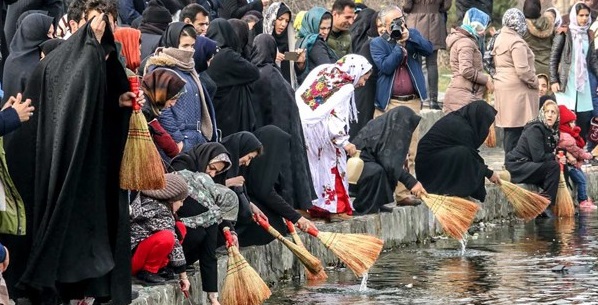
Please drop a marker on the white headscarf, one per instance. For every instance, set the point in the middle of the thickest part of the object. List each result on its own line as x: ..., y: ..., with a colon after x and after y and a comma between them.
x: 325, y: 81
x: 578, y: 33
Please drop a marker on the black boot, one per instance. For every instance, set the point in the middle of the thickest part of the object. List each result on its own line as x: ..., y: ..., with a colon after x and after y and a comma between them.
x: 434, y: 105
x: 150, y: 278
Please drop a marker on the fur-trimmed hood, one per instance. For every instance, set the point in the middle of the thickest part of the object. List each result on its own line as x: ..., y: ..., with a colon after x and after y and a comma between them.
x: 542, y: 27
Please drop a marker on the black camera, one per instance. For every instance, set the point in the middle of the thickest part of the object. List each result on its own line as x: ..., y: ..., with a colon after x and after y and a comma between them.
x: 396, y: 28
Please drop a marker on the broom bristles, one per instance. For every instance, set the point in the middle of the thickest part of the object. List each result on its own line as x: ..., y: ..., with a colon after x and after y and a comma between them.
x: 358, y: 251
x: 527, y: 205
x: 563, y: 206
x: 491, y: 139
x: 242, y: 285
x: 454, y: 214
x: 595, y: 151
x: 320, y: 276
x: 310, y: 262
x: 141, y: 167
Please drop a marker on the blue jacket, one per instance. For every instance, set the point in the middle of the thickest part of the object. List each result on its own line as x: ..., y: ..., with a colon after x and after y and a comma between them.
x: 387, y: 57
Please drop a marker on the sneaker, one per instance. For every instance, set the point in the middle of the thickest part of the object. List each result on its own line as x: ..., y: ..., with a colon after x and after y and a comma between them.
x: 587, y: 205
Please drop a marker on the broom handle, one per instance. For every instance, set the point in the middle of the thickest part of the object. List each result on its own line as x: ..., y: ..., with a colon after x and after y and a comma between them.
x: 313, y: 231
x: 134, y: 83
x: 264, y: 224
x: 290, y: 226
x: 227, y: 236
x: 561, y: 154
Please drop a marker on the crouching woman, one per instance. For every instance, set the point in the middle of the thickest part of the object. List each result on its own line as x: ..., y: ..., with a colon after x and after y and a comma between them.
x: 156, y: 235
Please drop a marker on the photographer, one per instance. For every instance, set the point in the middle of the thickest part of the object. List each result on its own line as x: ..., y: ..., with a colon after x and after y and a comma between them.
x: 401, y: 82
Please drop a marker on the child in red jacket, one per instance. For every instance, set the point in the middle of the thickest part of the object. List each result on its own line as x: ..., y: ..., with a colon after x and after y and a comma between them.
x: 574, y: 144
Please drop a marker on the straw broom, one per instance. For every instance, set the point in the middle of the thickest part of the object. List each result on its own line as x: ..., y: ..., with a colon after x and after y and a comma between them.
x: 310, y: 262
x: 595, y: 151
x: 320, y: 276
x: 454, y: 214
x: 527, y: 204
x: 141, y: 167
x: 358, y: 251
x: 242, y: 285
x: 563, y: 207
x: 491, y: 139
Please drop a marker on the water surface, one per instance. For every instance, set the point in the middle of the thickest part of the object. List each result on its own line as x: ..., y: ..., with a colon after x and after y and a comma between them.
x: 505, y: 264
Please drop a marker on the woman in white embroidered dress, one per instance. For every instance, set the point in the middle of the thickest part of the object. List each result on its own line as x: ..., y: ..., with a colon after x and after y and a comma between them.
x: 326, y: 104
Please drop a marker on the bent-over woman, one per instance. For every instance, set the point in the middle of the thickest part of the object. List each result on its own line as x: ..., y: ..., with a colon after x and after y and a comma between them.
x: 448, y: 161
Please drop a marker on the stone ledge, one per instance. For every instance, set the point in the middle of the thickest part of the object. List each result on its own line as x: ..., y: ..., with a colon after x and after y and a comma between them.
x: 276, y: 263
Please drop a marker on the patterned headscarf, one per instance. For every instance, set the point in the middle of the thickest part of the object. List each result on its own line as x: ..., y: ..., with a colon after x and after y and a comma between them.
x: 515, y: 20
x: 578, y: 34
x: 554, y: 129
x: 347, y: 70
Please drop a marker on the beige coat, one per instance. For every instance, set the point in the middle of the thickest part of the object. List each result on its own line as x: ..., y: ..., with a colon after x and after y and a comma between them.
x: 468, y: 82
x: 428, y: 17
x: 515, y: 82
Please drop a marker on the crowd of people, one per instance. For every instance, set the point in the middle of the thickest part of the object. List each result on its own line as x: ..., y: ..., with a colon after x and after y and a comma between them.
x: 254, y: 110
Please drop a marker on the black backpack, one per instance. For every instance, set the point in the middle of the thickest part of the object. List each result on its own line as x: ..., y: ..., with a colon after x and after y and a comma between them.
x: 488, y: 58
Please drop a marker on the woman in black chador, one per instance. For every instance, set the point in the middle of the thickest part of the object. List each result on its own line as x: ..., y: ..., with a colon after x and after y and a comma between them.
x: 384, y: 143
x: 278, y: 107
x: 448, y: 161
x: 234, y: 75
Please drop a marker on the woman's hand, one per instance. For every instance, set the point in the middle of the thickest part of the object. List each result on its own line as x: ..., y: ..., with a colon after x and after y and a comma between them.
x: 235, y: 238
x: 257, y: 212
x: 235, y: 181
x: 418, y: 190
x: 350, y: 149
x: 24, y: 109
x: 301, y: 58
x: 126, y: 99
x: 98, y: 26
x: 304, y: 224
x: 495, y: 178
x: 555, y: 87
x: 490, y: 85
x: 279, y: 56
x: 184, y: 280
x: 4, y: 264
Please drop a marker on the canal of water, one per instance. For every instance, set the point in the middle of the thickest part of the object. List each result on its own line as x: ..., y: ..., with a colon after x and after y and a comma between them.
x: 545, y: 261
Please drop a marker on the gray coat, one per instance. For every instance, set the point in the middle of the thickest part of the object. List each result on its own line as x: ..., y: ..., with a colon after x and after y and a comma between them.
x: 429, y: 18
x: 560, y: 58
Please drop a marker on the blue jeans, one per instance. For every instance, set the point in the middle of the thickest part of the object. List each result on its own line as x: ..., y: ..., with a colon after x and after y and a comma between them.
x: 578, y: 177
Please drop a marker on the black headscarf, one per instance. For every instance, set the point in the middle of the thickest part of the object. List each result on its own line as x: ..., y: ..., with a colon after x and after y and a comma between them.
x: 385, y: 140
x: 373, y: 30
x: 223, y: 33
x: 282, y: 40
x: 480, y: 115
x: 172, y: 35
x: 241, y: 28
x: 198, y: 158
x: 361, y: 26
x: 264, y: 50
x: 205, y: 49
x: 24, y: 52
x: 263, y: 172
x: 238, y: 145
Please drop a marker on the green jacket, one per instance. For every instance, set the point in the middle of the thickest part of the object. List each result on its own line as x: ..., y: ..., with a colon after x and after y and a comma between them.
x: 12, y: 210
x: 340, y: 43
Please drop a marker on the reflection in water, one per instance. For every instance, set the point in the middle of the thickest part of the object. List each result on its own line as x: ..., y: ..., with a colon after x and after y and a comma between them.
x: 507, y: 265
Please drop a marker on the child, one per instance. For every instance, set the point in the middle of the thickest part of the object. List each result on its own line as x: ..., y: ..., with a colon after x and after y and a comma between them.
x: 156, y: 235
x: 573, y: 143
